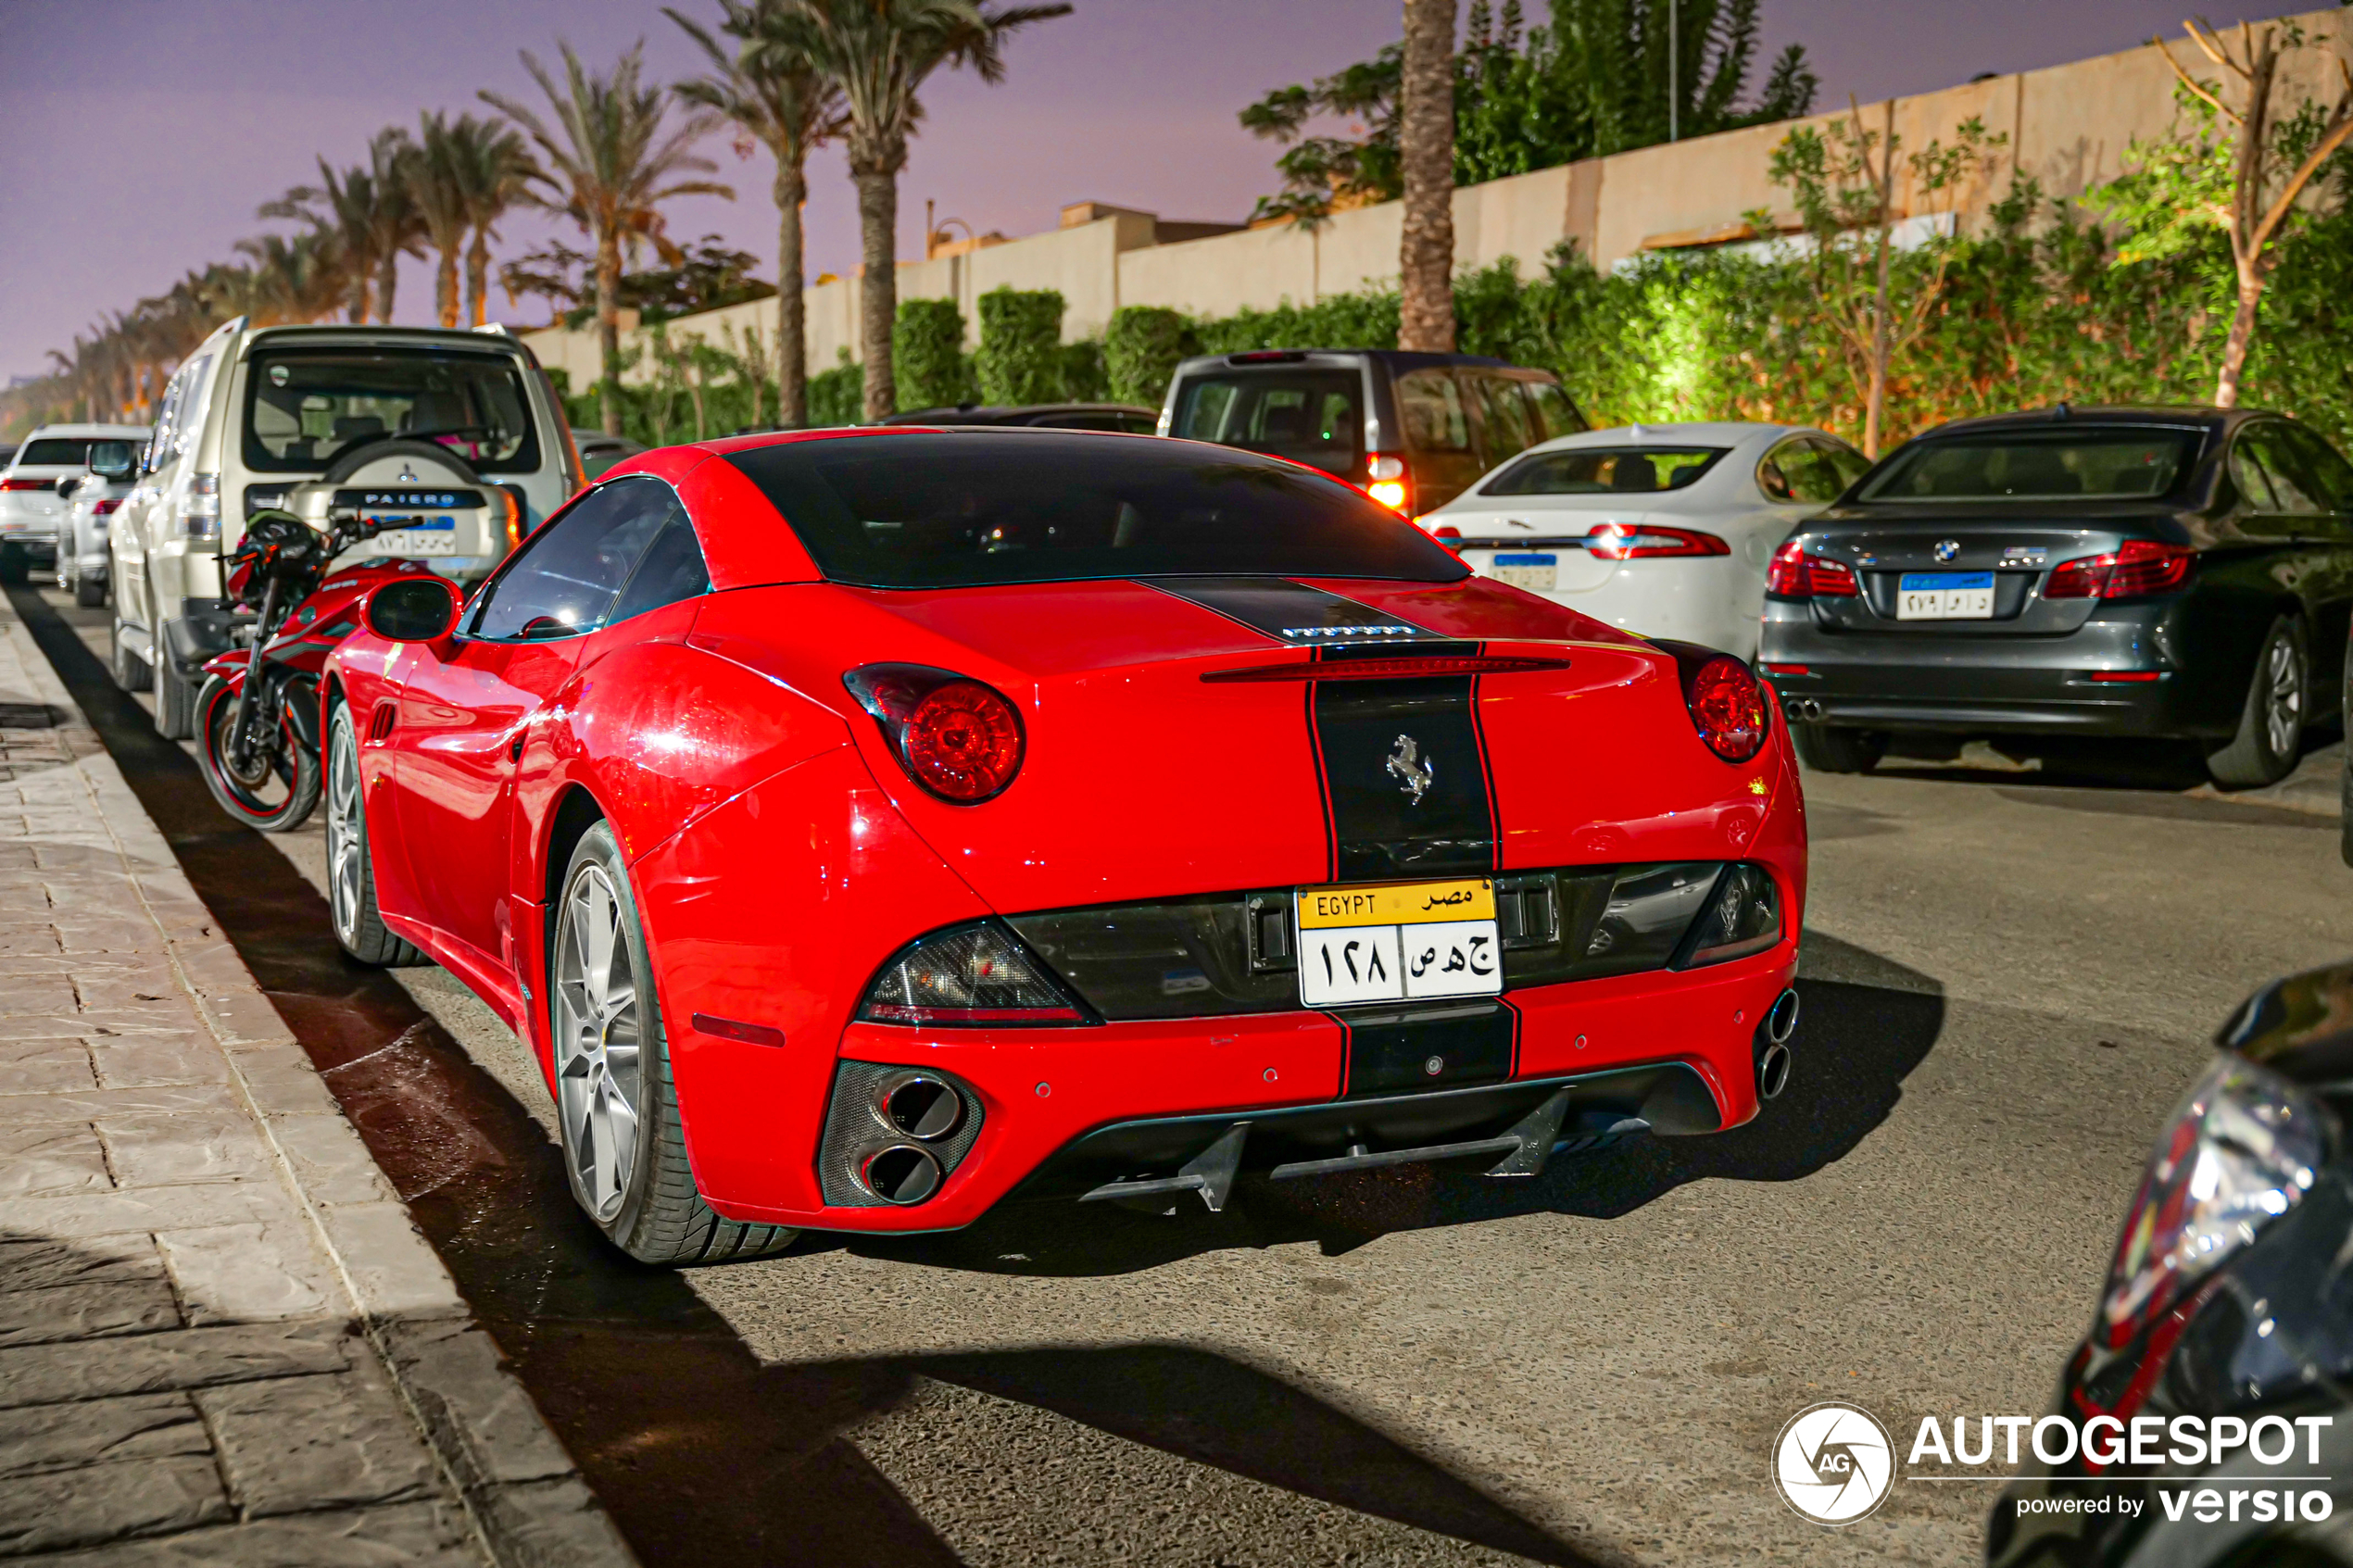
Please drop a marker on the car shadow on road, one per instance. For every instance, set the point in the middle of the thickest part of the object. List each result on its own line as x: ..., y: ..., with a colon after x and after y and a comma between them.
x: 1855, y: 1046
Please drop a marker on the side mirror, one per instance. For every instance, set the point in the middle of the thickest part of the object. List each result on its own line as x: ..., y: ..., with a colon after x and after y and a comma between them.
x: 418, y: 609
x: 110, y: 459
x: 68, y: 485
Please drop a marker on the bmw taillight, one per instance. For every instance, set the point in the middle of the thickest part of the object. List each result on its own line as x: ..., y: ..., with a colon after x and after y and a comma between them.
x: 968, y: 976
x: 1726, y: 703
x: 1793, y: 574
x: 2138, y: 569
x: 959, y: 738
x: 1615, y: 541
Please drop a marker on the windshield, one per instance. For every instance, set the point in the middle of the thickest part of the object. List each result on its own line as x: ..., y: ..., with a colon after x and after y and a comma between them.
x: 1605, y: 470
x: 2117, y: 462
x: 306, y: 405
x: 961, y: 508
x: 1312, y: 417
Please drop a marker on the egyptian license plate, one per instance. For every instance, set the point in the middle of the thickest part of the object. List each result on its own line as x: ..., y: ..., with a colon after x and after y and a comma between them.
x: 1397, y: 942
x: 431, y: 536
x: 1539, y: 573
x: 1945, y: 596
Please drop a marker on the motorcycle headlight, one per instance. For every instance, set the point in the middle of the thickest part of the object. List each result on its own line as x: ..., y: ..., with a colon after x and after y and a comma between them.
x: 2243, y: 1148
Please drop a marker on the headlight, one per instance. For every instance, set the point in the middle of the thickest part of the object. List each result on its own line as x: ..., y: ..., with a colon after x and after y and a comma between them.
x: 2242, y: 1150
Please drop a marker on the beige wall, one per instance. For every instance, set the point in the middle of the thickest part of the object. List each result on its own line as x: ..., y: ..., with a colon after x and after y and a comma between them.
x: 2068, y: 127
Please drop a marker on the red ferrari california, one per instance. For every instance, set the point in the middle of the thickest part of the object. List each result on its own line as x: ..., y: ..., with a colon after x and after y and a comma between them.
x: 862, y: 827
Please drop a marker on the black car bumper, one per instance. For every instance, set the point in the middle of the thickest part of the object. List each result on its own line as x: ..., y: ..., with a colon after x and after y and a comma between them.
x: 201, y: 630
x: 2121, y: 674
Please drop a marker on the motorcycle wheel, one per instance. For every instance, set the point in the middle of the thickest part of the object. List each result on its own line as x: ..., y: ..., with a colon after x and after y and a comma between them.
x: 279, y: 791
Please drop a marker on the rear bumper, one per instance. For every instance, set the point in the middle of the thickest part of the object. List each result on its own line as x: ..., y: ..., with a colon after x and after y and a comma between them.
x: 1063, y: 1111
x: 2047, y: 684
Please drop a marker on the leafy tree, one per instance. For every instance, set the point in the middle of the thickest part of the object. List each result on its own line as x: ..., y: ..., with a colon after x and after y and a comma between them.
x: 881, y: 53
x: 1842, y: 178
x: 775, y: 90
x: 612, y: 160
x: 1593, y: 83
x: 439, y: 191
x: 497, y: 169
x: 1141, y: 347
x: 2242, y: 168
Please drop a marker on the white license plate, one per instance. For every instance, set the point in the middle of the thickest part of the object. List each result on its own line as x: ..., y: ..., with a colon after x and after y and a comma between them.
x: 1397, y: 942
x: 434, y: 536
x: 1537, y: 573
x: 1945, y: 596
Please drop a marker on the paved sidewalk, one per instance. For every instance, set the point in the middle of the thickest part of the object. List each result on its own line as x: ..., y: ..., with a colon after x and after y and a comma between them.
x: 221, y: 1340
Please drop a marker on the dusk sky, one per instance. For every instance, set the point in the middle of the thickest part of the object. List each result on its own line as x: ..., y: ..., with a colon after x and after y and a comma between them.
x: 139, y: 135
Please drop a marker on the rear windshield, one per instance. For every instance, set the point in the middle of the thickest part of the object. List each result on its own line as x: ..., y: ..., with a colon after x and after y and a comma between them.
x: 2042, y: 465
x: 1605, y: 470
x: 962, y: 508
x: 59, y: 451
x: 307, y: 404
x: 1312, y: 417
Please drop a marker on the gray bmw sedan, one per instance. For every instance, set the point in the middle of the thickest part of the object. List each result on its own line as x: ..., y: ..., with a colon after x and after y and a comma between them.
x: 2174, y: 572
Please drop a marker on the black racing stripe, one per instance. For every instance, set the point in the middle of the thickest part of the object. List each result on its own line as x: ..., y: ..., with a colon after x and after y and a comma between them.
x: 1404, y: 774
x: 1470, y: 1042
x: 1293, y: 612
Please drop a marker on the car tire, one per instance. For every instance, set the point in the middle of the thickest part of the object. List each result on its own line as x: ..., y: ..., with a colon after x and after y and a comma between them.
x: 14, y: 570
x: 175, y: 703
x: 2271, y: 734
x: 216, y: 710
x: 89, y: 591
x: 131, y: 673
x: 624, y: 1145
x: 1830, y: 750
x: 351, y: 875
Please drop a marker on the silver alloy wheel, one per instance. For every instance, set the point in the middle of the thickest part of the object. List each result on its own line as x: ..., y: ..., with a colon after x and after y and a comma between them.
x: 599, y: 1083
x: 345, y: 846
x: 2282, y: 698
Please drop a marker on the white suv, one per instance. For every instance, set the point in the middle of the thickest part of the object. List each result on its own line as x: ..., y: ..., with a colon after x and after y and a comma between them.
x: 463, y: 427
x: 30, y: 506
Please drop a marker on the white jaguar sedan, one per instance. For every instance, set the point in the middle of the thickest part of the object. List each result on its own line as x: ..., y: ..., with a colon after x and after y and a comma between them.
x: 1665, y: 530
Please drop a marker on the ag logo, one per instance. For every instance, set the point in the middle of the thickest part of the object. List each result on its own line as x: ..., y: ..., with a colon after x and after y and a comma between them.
x: 1833, y: 1463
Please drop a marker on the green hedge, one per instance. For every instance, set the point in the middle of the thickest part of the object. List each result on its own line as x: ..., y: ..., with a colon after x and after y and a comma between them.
x: 928, y: 352
x: 1019, y: 358
x: 837, y: 397
x: 1141, y: 347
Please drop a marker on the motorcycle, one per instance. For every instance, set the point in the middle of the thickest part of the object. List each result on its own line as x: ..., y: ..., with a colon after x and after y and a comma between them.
x: 257, y: 711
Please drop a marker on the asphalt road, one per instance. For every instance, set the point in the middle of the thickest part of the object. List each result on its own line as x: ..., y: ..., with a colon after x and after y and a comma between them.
x: 2009, y: 976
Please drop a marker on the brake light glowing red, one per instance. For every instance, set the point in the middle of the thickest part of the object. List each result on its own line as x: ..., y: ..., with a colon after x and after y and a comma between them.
x: 1727, y: 707
x: 2134, y: 675
x: 2139, y: 569
x: 1793, y: 574
x: 1615, y: 541
x: 27, y: 483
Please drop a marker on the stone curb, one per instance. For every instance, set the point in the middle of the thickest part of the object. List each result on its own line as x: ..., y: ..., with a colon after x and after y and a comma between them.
x: 523, y: 1495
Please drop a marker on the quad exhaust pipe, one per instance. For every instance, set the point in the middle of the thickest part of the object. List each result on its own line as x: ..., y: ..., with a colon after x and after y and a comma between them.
x: 1773, y: 1057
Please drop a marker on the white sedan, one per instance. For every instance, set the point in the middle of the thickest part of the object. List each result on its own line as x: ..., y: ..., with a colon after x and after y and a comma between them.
x: 1665, y: 530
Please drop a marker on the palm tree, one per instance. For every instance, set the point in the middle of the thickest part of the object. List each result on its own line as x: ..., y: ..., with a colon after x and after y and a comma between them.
x: 1426, y: 152
x: 342, y: 206
x: 397, y: 224
x: 437, y: 189
x: 773, y: 90
x: 613, y: 163
x: 499, y: 169
x: 882, y: 52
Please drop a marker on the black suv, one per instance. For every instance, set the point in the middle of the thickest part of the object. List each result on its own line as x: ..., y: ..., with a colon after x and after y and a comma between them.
x: 1416, y: 429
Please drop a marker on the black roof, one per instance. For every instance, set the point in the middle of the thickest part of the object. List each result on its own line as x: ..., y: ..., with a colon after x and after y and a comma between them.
x: 1010, y: 414
x: 2203, y: 417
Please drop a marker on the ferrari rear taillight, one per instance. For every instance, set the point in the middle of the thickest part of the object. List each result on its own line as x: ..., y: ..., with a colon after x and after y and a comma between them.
x: 1742, y: 916
x: 1793, y: 574
x: 957, y: 737
x: 1727, y: 704
x: 2138, y: 569
x: 968, y: 976
x: 1617, y: 541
